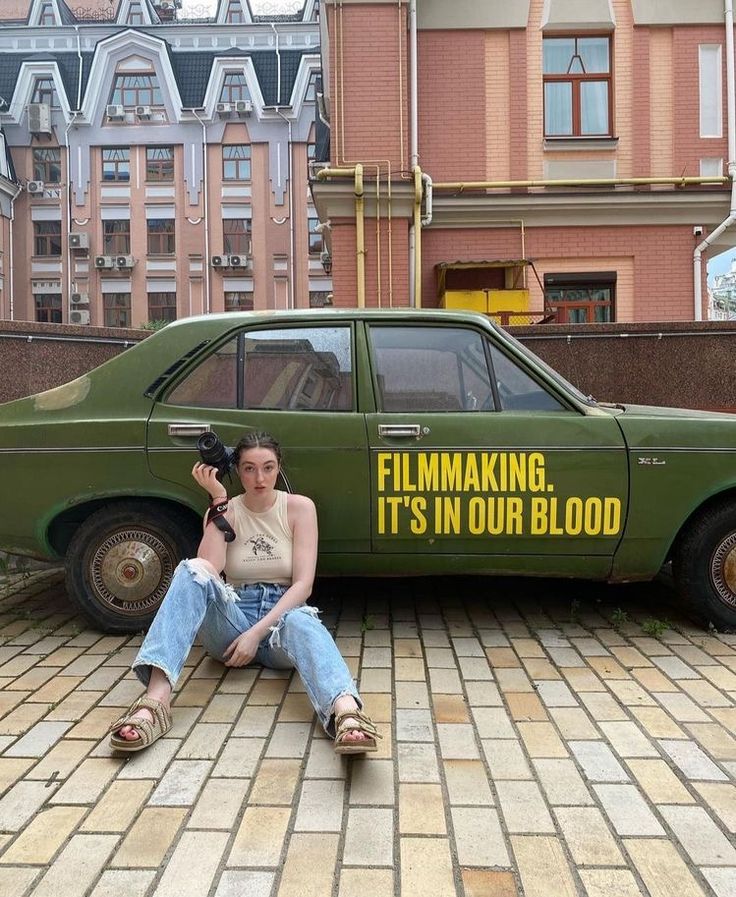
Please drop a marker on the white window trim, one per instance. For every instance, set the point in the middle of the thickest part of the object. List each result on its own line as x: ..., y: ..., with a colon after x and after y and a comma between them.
x: 705, y: 83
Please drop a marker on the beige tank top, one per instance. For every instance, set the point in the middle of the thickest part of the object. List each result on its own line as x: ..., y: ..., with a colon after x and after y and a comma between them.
x: 262, y: 550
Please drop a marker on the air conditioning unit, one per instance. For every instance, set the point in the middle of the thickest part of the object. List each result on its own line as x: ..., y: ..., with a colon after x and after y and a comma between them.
x: 244, y: 107
x: 224, y: 108
x: 35, y: 187
x: 39, y: 118
x: 124, y: 261
x: 78, y: 241
x: 220, y: 261
x: 80, y: 299
x: 238, y: 261
x: 79, y: 316
x: 143, y: 112
x: 115, y: 112
x: 104, y: 261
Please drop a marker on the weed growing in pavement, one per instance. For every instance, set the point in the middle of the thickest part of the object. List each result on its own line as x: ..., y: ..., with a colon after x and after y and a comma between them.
x: 619, y: 617
x: 368, y: 623
x: 654, y: 628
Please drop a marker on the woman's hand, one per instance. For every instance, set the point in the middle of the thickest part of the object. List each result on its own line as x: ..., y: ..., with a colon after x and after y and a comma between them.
x: 206, y: 476
x: 240, y: 652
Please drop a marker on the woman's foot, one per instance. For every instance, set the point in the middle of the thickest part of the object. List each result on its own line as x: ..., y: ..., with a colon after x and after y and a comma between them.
x: 145, y: 721
x: 353, y: 734
x: 131, y: 733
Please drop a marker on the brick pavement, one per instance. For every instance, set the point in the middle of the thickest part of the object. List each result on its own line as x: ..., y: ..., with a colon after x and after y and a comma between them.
x: 534, y: 744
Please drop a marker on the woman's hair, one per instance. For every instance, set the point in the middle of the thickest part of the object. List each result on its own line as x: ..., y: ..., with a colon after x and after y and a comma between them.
x: 258, y: 439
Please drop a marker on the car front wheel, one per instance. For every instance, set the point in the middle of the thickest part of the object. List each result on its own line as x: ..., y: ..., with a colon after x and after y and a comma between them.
x: 121, y: 560
x: 704, y: 565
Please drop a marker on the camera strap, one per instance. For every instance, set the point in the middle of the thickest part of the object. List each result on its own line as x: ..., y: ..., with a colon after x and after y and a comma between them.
x: 216, y: 515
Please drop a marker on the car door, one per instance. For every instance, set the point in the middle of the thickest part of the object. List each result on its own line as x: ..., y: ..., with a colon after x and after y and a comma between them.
x: 472, y: 453
x: 296, y: 381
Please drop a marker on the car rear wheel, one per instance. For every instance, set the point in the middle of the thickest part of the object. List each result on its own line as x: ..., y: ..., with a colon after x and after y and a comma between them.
x: 121, y: 560
x: 704, y: 565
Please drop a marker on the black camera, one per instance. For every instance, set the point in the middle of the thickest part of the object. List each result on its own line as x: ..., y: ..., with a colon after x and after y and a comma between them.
x: 212, y: 451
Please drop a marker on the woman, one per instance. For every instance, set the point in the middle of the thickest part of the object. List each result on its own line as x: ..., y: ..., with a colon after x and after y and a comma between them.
x: 260, y: 615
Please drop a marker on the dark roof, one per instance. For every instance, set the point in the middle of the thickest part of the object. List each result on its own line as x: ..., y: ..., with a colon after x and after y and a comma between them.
x: 68, y: 63
x: 67, y: 16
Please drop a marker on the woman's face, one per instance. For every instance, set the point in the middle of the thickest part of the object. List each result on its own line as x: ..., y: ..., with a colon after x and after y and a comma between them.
x: 258, y: 469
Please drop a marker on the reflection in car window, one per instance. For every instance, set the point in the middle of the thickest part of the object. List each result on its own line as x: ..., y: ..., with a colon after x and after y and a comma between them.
x: 517, y: 391
x: 431, y: 369
x: 212, y: 384
x: 305, y: 368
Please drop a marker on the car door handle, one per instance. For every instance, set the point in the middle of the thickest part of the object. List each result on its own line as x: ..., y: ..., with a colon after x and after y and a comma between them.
x: 406, y: 431
x: 190, y: 430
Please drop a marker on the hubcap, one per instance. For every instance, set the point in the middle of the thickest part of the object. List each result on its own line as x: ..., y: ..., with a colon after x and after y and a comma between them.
x: 131, y: 570
x: 723, y: 570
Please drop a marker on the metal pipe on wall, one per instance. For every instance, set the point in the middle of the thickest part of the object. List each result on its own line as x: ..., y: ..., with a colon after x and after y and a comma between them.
x: 206, y: 216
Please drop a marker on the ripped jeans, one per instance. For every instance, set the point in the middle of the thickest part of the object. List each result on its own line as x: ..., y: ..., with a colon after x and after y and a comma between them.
x: 199, y: 604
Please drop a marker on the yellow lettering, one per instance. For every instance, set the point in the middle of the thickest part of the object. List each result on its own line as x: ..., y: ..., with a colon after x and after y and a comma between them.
x: 381, y: 516
x: 611, y: 516
x: 418, y: 506
x: 428, y: 468
x: 472, y: 479
x: 393, y: 502
x: 452, y: 471
x: 593, y: 516
x: 573, y: 516
x: 476, y: 515
x: 514, y: 507
x: 383, y: 469
x: 538, y: 517
x: 488, y: 475
x: 406, y: 485
x: 517, y: 472
x: 536, y: 472
x: 554, y: 528
x: 496, y: 515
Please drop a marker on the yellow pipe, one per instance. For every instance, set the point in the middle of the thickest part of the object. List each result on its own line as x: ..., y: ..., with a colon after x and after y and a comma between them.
x: 578, y: 182
x: 357, y: 174
x: 417, y: 236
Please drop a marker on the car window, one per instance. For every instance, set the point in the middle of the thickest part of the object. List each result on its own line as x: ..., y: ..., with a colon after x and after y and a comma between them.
x: 517, y: 391
x: 212, y: 384
x: 430, y: 369
x: 304, y: 368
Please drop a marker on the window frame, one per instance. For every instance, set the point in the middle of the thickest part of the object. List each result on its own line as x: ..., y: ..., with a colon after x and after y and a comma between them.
x: 112, y: 237
x: 161, y: 240
x: 231, y: 93
x: 243, y: 237
x: 46, y: 240
x: 143, y: 95
x: 44, y: 91
x: 234, y: 13
x: 581, y: 280
x: 164, y: 306
x: 249, y: 304
x: 239, y: 162
x: 120, y: 167
x: 160, y: 170
x: 108, y: 317
x: 315, y: 240
x: 576, y: 79
x: 43, y: 169
x: 53, y: 310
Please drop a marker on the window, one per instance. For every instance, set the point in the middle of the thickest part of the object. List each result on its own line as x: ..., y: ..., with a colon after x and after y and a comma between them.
x: 47, y: 16
x: 315, y: 236
x: 48, y: 308
x: 236, y: 236
x: 577, y: 86
x: 517, y: 391
x: 44, y: 91
x: 47, y: 237
x: 431, y: 369
x: 240, y: 300
x: 116, y: 163
x: 711, y: 90
x: 47, y: 165
x: 160, y: 163
x: 212, y: 384
x: 234, y: 87
x: 136, y: 90
x: 116, y: 308
x: 116, y: 237
x: 236, y: 162
x: 581, y: 298
x: 320, y: 298
x: 162, y: 306
x: 161, y: 236
x: 311, y: 152
x: 135, y: 14
x: 234, y: 14
x: 311, y: 94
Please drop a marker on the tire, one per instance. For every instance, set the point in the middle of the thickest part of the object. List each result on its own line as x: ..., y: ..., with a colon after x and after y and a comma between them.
x: 704, y: 565
x: 120, y: 562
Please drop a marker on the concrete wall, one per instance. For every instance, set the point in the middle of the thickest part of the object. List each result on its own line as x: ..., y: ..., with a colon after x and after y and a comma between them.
x: 688, y: 365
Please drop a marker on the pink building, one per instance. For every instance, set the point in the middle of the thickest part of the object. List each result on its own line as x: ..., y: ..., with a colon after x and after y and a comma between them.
x: 577, y: 151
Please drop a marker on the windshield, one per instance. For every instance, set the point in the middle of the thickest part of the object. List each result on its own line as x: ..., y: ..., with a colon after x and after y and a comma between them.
x: 551, y: 372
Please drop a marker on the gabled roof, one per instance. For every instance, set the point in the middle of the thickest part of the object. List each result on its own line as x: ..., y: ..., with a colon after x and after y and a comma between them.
x: 68, y: 63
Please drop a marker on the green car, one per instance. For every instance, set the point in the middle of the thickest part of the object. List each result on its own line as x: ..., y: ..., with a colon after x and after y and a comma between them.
x: 431, y: 442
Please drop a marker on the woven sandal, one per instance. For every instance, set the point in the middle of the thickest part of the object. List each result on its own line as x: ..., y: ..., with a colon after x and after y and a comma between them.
x: 148, y: 731
x: 361, y: 723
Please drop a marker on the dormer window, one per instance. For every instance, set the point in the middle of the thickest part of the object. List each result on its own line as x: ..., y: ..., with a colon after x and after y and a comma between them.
x: 136, y: 90
x: 47, y: 16
x: 311, y: 94
x: 135, y: 14
x: 234, y: 14
x: 44, y: 91
x: 234, y: 87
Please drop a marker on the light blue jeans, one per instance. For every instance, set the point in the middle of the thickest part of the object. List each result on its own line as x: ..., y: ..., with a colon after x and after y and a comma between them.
x: 199, y: 604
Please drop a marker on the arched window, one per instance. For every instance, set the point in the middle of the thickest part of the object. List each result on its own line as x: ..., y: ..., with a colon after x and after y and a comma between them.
x: 44, y: 91
x: 136, y: 90
x: 234, y: 87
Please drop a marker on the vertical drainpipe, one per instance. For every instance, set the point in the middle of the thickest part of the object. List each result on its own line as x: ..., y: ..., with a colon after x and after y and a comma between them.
x: 11, y: 309
x: 729, y: 220
x: 206, y: 216
x: 289, y: 173
x: 414, y: 235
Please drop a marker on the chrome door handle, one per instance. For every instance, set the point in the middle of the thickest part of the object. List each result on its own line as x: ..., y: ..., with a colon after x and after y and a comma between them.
x: 190, y: 430
x: 405, y: 431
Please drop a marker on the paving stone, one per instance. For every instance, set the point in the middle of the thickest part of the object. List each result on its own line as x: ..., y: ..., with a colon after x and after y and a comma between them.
x: 259, y: 839
x: 723, y: 881
x: 630, y: 693
x: 541, y: 740
x: 526, y: 707
x: 457, y: 741
x: 467, y: 783
x: 57, y: 689
x: 478, y: 837
x: 692, y: 761
x: 468, y: 647
x: 309, y: 870
x: 627, y: 810
x: 721, y: 798
x: 542, y: 866
x: 580, y: 679
x: 239, y: 758
x: 22, y: 718
x: 658, y: 782
x: 703, y: 693
x: 513, y: 680
x: 22, y: 802
x: 426, y: 868
x: 588, y: 837
x: 662, y: 869
x: 16, y: 879
x: 219, y: 804
x: 375, y: 680
x: 450, y: 709
x: 369, y: 837
x: 150, y: 837
x: 372, y: 782
x: 421, y: 810
x: 653, y: 679
x: 94, y: 724
x: 184, y: 878
x: 38, y: 740
x: 720, y: 677
x: 320, y: 806
x: 118, y: 807
x: 11, y: 770
x: 417, y: 762
x: 151, y: 763
x: 289, y: 740
x: 181, y: 783
x: 414, y: 725
x: 540, y: 670
x: 682, y: 708
x: 598, y: 761
x: 506, y: 759
x: 562, y: 783
x: 131, y: 882
x: 483, y: 883
x: 412, y: 695
x: 675, y: 668
x: 43, y: 836
x: 204, y: 742
x: 223, y: 709
x: 715, y: 739
x: 88, y: 781
x: 446, y: 682
x: 523, y: 807
x: 75, y: 706
x: 574, y: 723
x: 602, y: 707
x: 608, y: 882
x: 323, y: 762
x: 556, y: 694
x: 236, y: 883
x: 628, y: 740
x: 703, y: 841
x: 483, y: 694
x: 238, y: 681
x: 360, y: 882
x: 493, y: 722
x: 76, y: 867
x: 123, y: 694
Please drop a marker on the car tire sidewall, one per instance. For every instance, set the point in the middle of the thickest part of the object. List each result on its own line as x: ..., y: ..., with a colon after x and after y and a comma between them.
x: 175, y: 533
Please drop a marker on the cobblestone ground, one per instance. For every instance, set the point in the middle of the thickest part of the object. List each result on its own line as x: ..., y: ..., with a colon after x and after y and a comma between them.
x: 539, y: 739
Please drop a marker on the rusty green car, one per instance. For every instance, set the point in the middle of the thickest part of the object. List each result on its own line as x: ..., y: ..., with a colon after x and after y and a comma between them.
x: 431, y: 442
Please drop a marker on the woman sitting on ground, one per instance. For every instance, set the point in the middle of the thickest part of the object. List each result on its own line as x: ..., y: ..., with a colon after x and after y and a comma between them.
x: 261, y: 615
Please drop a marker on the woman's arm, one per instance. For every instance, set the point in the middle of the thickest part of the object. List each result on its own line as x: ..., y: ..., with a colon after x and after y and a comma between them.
x: 303, y: 521
x: 212, y: 546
